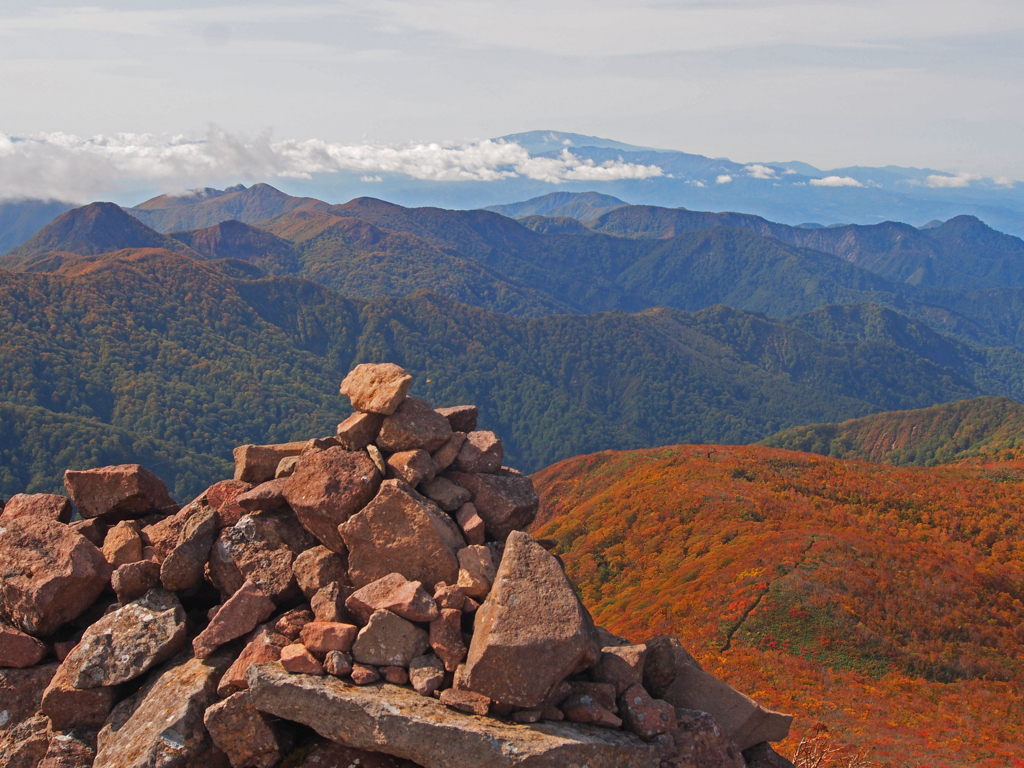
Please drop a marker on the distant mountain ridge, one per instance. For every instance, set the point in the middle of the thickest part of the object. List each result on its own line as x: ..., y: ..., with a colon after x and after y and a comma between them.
x: 986, y: 428
x: 368, y: 248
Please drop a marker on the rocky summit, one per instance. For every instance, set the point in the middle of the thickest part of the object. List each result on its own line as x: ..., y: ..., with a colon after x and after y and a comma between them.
x: 369, y: 598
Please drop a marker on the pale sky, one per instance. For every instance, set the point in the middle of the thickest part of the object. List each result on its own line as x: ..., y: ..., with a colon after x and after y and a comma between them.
x: 927, y: 83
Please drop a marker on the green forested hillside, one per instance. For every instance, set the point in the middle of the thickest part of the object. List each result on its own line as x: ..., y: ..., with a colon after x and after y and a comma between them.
x: 177, y: 352
x: 985, y: 428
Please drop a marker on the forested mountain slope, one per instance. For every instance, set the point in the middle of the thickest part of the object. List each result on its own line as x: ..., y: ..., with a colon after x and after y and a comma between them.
x: 199, y: 355
x: 981, y: 429
x: 798, y: 576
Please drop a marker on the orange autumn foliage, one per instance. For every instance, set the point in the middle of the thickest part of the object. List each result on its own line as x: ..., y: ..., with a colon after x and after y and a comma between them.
x: 886, y: 602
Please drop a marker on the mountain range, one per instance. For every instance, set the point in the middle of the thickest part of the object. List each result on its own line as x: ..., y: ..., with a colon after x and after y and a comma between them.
x: 655, y: 331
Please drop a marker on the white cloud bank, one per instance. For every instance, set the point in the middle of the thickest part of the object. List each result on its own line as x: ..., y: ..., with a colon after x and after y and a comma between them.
x: 836, y: 181
x: 959, y: 180
x: 725, y: 178
x: 66, y: 167
x: 760, y: 171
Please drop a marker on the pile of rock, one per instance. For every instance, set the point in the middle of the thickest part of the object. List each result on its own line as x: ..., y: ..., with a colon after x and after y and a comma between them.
x: 376, y: 588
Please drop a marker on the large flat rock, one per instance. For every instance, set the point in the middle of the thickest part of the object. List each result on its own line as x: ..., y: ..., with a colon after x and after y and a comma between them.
x: 400, y: 722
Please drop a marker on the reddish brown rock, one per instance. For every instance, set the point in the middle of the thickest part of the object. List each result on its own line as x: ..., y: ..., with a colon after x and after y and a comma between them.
x: 445, y: 456
x: 182, y: 570
x: 622, y: 666
x: 376, y: 387
x: 582, y: 708
x: 162, y: 723
x: 763, y: 756
x: 477, y: 571
x: 359, y: 430
x: 338, y: 663
x: 286, y: 467
x: 70, y: 707
x: 123, y: 544
x: 426, y: 673
x: 328, y: 487
x: 388, y: 640
x: 315, y: 568
x: 446, y: 494
x: 265, y: 497
x: 364, y: 674
x: 163, y: 536
x: 698, y: 741
x: 94, y: 530
x: 122, y: 492
x: 470, y: 606
x: 242, y: 733
x: 329, y: 754
x: 24, y: 745
x: 552, y: 713
x: 61, y: 649
x: 602, y: 693
x: 329, y: 603
x: 505, y: 501
x: 471, y: 523
x: 261, y: 548
x: 482, y: 452
x: 237, y: 617
x: 223, y: 497
x: 401, y: 532
x: 322, y: 636
x: 531, y: 632
x: 461, y: 417
x: 743, y: 721
x: 128, y: 642
x: 449, y: 596
x: 395, y: 675
x: 70, y: 749
x: 18, y: 650
x: 528, y: 716
x: 21, y: 693
x: 377, y: 458
x: 266, y: 646
x: 46, y: 505
x: 132, y: 580
x: 665, y: 656
x: 466, y: 701
x: 394, y: 593
x: 258, y: 463
x: 423, y: 730
x: 414, y: 425
x: 297, y: 659
x: 290, y: 624
x: 644, y: 716
x: 50, y: 574
x: 446, y: 638
x: 412, y: 467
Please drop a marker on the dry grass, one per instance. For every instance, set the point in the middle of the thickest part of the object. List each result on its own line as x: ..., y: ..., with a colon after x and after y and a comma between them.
x: 820, y: 750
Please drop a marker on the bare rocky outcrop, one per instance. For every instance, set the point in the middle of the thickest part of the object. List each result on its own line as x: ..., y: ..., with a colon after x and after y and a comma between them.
x: 412, y: 617
x: 121, y: 492
x: 402, y: 723
x: 47, y: 505
x: 50, y: 574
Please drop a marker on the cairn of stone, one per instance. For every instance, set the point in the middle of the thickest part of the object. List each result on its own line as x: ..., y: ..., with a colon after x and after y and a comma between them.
x: 368, y: 598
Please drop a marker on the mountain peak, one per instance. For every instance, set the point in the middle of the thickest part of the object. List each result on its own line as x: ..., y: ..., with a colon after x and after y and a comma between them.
x: 90, y: 230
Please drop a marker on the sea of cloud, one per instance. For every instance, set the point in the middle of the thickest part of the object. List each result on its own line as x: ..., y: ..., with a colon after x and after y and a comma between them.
x: 67, y: 167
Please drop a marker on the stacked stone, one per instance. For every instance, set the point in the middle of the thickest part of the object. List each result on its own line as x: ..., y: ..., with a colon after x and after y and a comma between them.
x: 331, y: 579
